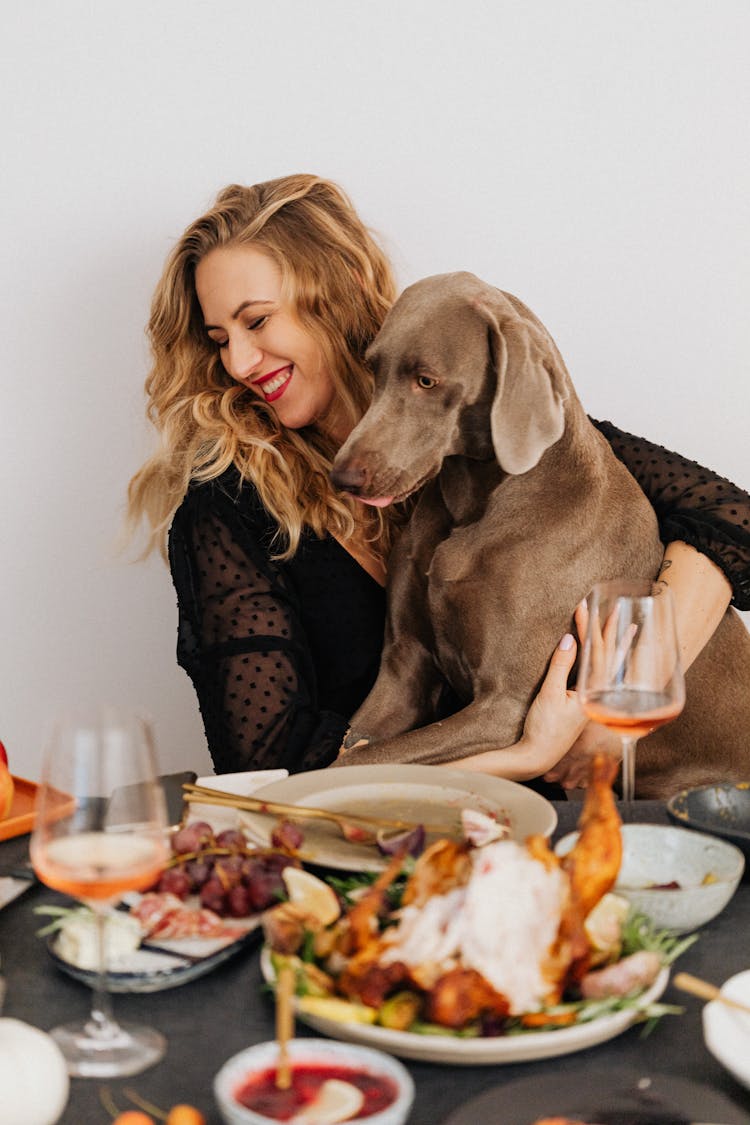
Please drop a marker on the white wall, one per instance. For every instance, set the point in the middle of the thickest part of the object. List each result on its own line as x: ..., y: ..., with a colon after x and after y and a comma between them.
x: 591, y: 156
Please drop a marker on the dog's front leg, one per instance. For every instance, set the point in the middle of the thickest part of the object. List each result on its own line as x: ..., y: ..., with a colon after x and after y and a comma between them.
x: 409, y: 685
x: 486, y: 724
x: 405, y: 695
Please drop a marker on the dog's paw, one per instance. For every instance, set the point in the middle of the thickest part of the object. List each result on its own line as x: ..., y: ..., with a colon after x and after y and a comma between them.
x: 353, y: 741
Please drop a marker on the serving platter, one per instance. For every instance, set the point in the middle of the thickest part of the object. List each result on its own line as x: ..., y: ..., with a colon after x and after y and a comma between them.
x: 161, y: 963
x: 628, y: 1095
x: 156, y: 966
x: 491, y: 1051
x: 427, y: 795
x: 723, y: 810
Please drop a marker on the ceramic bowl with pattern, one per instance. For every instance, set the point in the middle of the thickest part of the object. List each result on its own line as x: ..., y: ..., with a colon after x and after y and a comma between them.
x: 681, y: 879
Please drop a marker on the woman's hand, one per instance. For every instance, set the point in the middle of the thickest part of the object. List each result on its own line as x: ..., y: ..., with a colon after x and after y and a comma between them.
x: 572, y: 770
x: 553, y: 723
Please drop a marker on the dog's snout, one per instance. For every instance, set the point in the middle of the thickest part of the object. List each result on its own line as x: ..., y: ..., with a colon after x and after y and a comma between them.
x: 349, y: 478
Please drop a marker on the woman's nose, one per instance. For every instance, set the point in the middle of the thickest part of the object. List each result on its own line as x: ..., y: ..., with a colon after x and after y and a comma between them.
x: 242, y: 358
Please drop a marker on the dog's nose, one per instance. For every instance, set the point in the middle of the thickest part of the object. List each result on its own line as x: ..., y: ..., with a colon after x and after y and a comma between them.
x: 349, y: 478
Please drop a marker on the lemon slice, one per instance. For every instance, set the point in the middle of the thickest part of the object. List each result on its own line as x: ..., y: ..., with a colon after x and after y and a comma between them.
x: 604, y: 924
x: 334, y: 1101
x: 311, y: 895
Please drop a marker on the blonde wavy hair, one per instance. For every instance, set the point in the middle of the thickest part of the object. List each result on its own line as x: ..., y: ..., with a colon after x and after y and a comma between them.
x: 341, y: 285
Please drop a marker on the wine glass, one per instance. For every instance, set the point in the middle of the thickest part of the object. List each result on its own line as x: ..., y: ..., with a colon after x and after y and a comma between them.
x: 630, y: 679
x: 114, y: 839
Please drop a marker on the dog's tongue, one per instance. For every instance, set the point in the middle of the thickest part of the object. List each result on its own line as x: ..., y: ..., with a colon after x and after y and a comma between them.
x: 378, y: 502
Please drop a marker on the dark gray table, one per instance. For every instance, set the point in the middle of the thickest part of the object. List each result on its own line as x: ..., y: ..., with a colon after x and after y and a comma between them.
x: 212, y: 1018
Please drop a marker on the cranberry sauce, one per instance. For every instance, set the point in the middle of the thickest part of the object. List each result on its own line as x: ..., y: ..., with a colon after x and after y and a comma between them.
x: 259, y: 1092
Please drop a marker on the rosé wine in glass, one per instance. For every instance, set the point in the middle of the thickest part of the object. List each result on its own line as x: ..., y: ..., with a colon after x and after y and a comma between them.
x: 113, y: 840
x: 630, y: 679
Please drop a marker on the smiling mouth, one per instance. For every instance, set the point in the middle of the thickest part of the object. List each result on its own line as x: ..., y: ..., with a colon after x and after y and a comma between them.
x: 273, y: 385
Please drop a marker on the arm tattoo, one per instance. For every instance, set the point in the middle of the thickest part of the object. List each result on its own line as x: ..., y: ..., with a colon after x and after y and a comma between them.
x: 661, y: 580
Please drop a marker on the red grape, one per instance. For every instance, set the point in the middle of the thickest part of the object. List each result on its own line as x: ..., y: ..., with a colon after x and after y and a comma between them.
x: 231, y: 838
x: 192, y: 838
x: 175, y: 881
x: 228, y: 871
x: 198, y: 871
x: 265, y: 888
x: 287, y: 836
x: 213, y: 897
x: 238, y: 901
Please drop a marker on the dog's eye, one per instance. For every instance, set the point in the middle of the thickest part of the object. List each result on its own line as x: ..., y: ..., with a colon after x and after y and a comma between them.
x: 426, y: 382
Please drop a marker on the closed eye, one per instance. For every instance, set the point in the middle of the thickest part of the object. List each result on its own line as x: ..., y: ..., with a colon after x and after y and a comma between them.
x: 251, y: 326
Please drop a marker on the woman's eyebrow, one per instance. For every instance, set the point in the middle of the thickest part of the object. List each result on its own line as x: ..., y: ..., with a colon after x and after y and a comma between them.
x: 239, y: 309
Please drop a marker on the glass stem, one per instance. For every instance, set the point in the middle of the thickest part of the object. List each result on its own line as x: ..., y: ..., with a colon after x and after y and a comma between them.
x: 101, y: 1023
x: 628, y: 773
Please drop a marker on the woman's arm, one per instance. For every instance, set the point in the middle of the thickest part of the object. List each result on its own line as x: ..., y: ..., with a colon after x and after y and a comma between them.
x: 701, y: 595
x: 241, y: 642
x: 694, y: 506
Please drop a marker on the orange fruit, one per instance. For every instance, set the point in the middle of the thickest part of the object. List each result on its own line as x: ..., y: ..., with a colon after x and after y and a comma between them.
x: 185, y: 1115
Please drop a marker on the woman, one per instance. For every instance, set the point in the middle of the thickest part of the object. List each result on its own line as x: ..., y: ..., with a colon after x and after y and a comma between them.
x: 259, y: 328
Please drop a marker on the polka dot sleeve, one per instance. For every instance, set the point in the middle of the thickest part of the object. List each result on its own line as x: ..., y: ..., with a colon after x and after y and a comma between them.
x: 240, y: 641
x: 693, y: 504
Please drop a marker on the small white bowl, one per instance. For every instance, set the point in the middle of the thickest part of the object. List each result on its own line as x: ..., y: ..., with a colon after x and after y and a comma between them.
x: 236, y: 1071
x: 658, y: 854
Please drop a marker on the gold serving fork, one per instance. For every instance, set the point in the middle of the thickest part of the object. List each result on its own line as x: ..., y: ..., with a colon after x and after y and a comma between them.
x: 356, y: 829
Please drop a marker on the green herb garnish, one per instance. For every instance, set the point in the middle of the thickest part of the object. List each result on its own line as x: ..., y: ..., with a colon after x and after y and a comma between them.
x: 639, y: 932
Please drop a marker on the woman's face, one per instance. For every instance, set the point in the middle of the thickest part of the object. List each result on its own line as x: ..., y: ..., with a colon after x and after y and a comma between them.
x: 261, y: 341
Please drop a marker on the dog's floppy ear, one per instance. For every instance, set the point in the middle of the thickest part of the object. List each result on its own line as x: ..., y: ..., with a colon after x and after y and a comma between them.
x: 527, y: 414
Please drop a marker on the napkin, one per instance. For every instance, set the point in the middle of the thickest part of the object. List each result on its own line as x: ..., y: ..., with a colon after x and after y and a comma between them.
x: 241, y: 783
x: 11, y: 888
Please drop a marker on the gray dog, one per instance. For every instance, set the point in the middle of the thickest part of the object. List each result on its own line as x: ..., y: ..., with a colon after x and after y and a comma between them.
x: 523, y: 508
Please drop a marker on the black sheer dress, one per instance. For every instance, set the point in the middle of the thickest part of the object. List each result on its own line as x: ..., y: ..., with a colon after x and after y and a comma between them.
x: 282, y: 654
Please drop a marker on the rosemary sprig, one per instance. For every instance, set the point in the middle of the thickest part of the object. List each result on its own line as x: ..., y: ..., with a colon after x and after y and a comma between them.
x: 351, y: 887
x: 639, y: 932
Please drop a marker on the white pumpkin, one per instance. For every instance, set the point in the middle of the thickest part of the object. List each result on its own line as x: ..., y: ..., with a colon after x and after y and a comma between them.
x: 34, y: 1081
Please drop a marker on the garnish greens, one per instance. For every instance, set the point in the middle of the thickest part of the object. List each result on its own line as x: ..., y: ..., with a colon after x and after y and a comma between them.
x: 639, y: 932
x: 60, y: 915
x: 352, y: 887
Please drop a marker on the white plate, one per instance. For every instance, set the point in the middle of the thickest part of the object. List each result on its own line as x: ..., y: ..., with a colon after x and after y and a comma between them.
x: 417, y: 794
x: 528, y: 1047
x: 726, y: 1031
x: 11, y: 888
